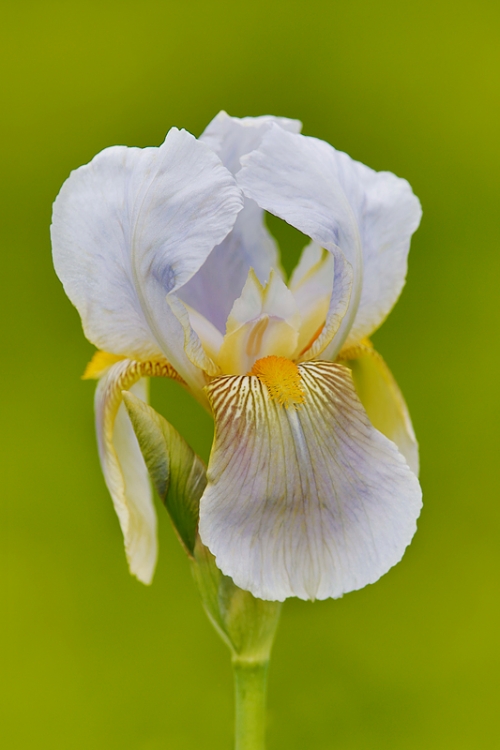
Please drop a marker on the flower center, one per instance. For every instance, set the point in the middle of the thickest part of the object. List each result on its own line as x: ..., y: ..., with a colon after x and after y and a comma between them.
x: 282, y: 379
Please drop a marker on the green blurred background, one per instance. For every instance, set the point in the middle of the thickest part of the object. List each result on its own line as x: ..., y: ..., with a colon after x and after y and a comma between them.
x: 94, y: 659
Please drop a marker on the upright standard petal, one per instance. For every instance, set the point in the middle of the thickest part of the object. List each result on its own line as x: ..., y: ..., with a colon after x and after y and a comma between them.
x: 123, y: 467
x: 384, y: 207
x: 387, y: 213
x: 133, y: 226
x: 295, y: 178
x: 233, y: 137
x: 309, y: 500
x: 382, y: 399
x: 249, y: 245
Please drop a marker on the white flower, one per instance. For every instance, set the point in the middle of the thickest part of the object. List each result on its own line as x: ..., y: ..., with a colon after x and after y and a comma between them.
x: 312, y: 488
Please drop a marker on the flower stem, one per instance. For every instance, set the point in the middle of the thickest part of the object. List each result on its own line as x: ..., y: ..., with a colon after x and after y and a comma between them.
x: 250, y: 678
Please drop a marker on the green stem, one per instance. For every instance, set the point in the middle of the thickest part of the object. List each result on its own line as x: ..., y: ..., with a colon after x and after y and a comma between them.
x: 250, y: 679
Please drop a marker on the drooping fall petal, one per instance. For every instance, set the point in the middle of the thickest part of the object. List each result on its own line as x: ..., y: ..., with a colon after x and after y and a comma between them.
x: 310, y: 500
x: 381, y: 397
x: 122, y: 463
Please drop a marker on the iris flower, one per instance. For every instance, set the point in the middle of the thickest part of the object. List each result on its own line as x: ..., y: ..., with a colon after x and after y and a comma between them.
x: 312, y: 479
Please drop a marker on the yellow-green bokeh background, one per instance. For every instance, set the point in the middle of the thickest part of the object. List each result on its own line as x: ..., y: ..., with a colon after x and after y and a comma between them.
x: 93, y: 658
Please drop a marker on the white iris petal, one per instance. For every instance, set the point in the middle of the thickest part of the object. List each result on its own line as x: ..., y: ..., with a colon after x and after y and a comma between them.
x: 294, y: 177
x: 133, y: 226
x: 220, y: 280
x: 369, y: 215
x: 310, y: 502
x: 124, y: 469
x: 381, y: 397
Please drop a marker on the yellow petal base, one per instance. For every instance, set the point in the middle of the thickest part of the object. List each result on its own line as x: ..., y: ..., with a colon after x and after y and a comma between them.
x: 99, y: 364
x: 282, y: 378
x: 149, y: 368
